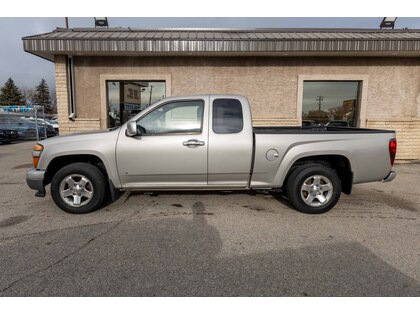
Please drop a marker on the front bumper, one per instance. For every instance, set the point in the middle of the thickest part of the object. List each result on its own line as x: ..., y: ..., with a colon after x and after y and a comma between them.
x: 35, y: 180
x: 8, y: 135
x: 390, y: 176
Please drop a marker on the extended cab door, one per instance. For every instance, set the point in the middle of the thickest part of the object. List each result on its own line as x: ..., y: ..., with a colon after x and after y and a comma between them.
x: 171, y: 151
x: 230, y: 142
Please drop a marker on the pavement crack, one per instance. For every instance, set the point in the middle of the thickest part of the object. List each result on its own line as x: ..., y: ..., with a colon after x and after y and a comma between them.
x: 61, y: 259
x: 56, y: 230
x: 123, y: 199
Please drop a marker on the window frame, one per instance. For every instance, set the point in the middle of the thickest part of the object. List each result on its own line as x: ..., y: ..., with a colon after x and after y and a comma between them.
x: 213, y: 120
x: 176, y: 133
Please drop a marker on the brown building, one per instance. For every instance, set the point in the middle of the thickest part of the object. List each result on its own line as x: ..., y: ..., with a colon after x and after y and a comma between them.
x: 355, y: 77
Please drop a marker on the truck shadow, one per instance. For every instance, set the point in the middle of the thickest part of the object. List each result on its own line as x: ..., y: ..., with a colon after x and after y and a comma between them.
x: 275, y: 195
x: 282, y: 200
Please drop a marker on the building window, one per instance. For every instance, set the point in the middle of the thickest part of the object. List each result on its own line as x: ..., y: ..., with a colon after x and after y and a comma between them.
x: 333, y: 103
x: 127, y: 98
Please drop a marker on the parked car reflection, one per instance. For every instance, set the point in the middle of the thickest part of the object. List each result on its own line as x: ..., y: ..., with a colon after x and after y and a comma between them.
x: 309, y: 123
x: 338, y: 123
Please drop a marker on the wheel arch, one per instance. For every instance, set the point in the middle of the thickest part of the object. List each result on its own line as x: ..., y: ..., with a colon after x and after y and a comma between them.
x: 340, y: 163
x: 59, y: 162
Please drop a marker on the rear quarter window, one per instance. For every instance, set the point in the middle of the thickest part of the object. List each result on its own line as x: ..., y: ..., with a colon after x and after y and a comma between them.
x: 227, y: 116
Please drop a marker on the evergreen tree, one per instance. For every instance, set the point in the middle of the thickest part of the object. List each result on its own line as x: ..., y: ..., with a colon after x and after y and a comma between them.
x: 42, y: 97
x: 10, y: 94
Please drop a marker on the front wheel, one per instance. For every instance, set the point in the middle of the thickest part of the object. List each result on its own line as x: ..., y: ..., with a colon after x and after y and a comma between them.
x: 313, y: 189
x: 78, y: 188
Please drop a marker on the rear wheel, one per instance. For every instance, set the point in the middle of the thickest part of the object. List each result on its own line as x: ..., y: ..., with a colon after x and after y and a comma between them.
x: 313, y: 189
x: 78, y: 188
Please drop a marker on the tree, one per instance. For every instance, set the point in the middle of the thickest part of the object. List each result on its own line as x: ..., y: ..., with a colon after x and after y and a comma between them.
x: 10, y: 94
x: 53, y: 95
x: 320, y: 117
x: 28, y: 93
x: 42, y: 97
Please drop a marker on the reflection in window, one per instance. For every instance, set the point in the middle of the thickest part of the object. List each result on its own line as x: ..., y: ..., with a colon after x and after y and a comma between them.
x: 174, y: 117
x: 332, y: 103
x: 127, y: 98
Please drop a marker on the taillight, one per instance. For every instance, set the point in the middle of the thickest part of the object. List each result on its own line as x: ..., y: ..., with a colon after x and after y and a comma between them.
x: 36, y: 153
x: 392, y: 150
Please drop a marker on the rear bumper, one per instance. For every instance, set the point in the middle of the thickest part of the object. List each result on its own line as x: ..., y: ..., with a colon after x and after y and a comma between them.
x: 390, y: 176
x: 35, y: 180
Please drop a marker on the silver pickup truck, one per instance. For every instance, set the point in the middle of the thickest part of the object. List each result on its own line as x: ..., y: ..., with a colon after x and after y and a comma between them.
x: 207, y: 142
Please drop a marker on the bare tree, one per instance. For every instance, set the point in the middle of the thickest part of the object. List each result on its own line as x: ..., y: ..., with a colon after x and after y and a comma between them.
x: 28, y: 93
x: 53, y: 97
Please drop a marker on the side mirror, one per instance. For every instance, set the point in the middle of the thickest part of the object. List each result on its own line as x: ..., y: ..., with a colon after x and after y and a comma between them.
x: 131, y: 129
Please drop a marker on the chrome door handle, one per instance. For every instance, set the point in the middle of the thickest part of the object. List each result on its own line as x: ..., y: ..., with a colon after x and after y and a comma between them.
x: 193, y: 143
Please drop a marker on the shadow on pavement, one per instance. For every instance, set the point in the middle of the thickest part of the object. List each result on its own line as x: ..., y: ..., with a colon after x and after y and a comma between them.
x: 180, y: 257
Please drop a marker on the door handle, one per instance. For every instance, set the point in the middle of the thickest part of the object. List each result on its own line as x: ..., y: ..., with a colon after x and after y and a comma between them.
x: 193, y: 143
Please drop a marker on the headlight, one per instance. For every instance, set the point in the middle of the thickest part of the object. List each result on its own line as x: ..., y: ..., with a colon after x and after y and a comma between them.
x: 36, y: 154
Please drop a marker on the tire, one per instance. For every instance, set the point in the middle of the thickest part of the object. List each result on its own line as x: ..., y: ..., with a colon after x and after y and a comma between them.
x: 293, y: 172
x: 78, y: 188
x: 313, y: 189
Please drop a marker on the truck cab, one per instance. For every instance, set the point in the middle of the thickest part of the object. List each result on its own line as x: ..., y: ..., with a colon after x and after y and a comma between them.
x: 189, y: 142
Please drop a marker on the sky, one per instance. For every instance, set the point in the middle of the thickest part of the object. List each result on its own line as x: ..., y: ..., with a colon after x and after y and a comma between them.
x: 333, y: 94
x: 27, y: 70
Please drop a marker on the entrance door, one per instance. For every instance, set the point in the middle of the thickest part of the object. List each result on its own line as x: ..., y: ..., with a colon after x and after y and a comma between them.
x: 171, y: 150
x: 127, y: 98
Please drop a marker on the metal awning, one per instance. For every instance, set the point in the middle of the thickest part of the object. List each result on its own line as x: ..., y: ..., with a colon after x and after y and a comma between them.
x: 224, y: 42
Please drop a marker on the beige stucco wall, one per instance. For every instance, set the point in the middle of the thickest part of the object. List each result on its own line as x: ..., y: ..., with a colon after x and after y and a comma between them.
x: 391, y: 88
x: 408, y: 134
x: 67, y: 126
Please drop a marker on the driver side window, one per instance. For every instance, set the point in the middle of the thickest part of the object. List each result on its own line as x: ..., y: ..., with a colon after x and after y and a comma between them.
x: 175, y: 117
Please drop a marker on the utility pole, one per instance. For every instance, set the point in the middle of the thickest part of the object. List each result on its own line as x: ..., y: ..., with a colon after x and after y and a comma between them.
x: 150, y: 97
x: 67, y: 23
x: 319, y: 99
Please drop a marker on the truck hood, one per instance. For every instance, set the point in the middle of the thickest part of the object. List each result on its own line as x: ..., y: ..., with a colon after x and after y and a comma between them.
x: 81, y: 136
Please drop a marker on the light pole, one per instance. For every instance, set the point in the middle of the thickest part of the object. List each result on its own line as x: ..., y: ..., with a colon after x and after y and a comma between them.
x: 150, y: 97
x: 36, y: 122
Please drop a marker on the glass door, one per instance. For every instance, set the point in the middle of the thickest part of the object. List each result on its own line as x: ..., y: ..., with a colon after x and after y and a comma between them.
x: 127, y: 98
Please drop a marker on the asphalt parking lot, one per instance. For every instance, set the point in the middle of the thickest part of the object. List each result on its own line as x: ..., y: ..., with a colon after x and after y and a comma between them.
x: 211, y: 244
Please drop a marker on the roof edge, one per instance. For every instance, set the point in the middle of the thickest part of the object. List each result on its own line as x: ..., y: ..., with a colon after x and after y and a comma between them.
x: 204, y: 29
